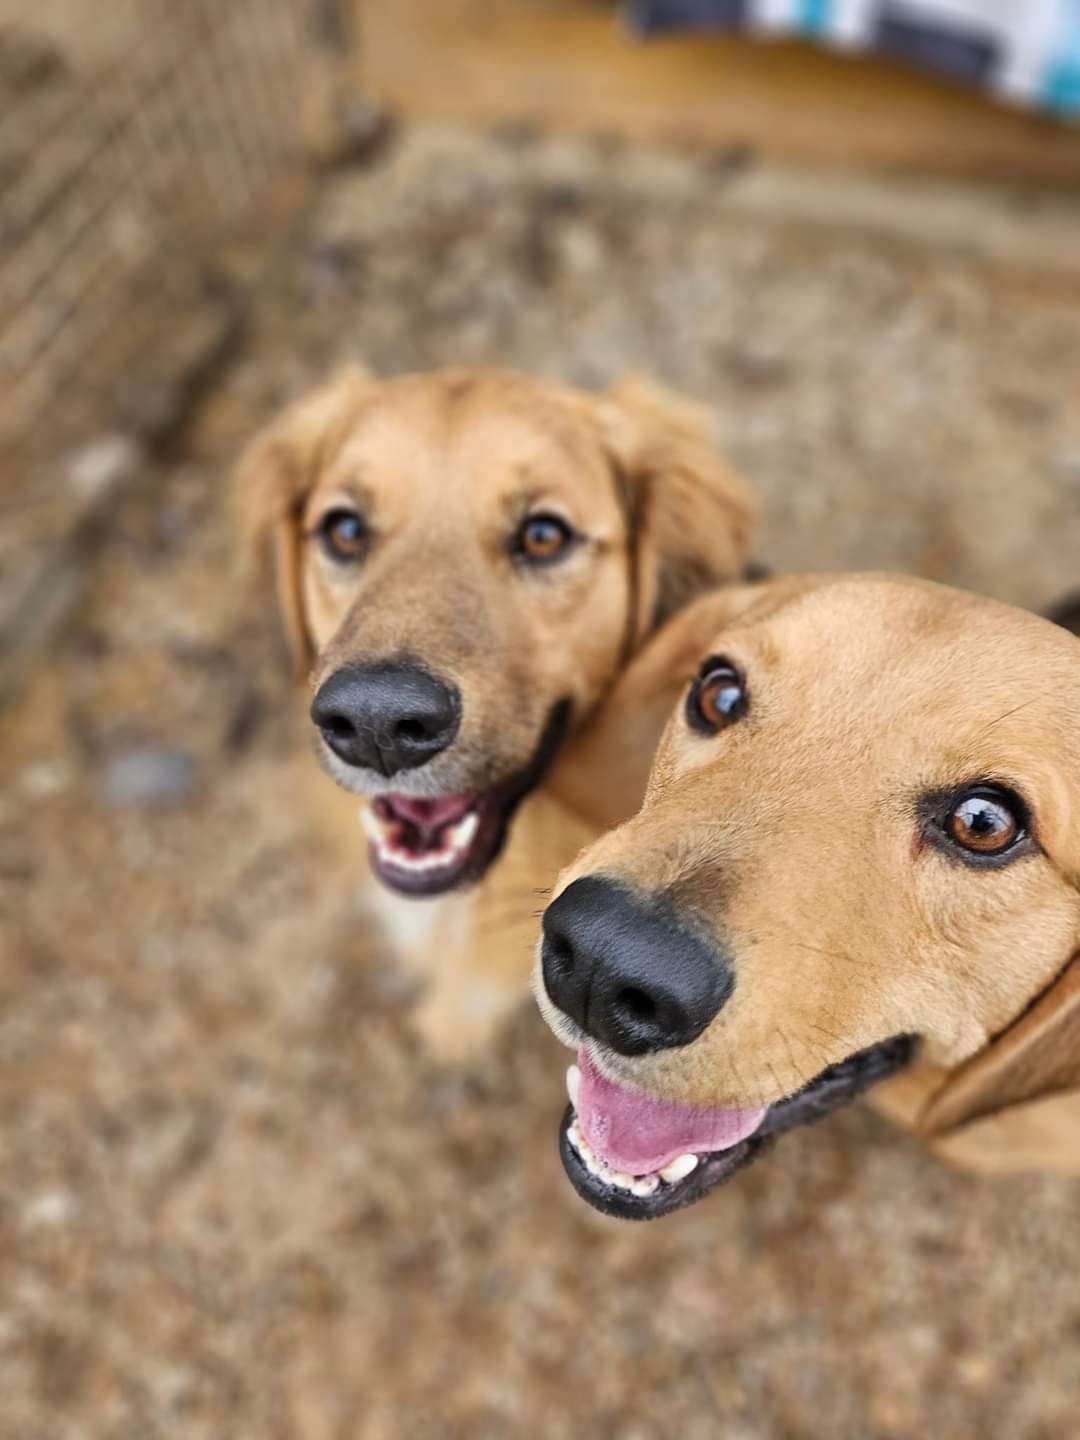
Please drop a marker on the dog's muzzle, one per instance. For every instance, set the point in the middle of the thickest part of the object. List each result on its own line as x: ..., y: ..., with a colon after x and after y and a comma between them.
x: 380, y: 726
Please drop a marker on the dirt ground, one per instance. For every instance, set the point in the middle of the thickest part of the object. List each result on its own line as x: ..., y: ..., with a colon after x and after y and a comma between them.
x: 234, y: 1201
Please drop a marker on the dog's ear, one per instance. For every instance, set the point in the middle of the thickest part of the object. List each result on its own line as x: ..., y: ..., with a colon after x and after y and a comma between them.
x: 273, y: 478
x: 1038, y: 1055
x: 691, y: 516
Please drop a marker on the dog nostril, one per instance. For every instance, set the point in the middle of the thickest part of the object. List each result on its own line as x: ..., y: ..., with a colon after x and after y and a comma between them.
x: 636, y: 1004
x: 561, y: 953
x: 410, y: 730
x: 338, y: 726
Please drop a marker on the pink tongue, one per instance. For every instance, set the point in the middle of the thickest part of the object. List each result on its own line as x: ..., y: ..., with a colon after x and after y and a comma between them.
x: 634, y: 1133
x: 429, y: 814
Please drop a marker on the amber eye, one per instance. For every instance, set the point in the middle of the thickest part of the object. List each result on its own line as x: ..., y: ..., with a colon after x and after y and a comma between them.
x: 985, y: 821
x: 343, y: 535
x: 542, y: 538
x: 718, y: 697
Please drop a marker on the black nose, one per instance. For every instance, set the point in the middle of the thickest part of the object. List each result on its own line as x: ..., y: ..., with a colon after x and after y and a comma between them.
x: 626, y: 971
x: 386, y: 717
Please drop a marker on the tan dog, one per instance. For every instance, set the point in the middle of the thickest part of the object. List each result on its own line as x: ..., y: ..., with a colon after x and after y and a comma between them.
x: 859, y: 852
x: 465, y: 561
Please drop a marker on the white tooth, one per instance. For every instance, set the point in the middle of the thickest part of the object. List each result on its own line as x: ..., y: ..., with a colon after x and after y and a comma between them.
x: 679, y: 1169
x: 595, y: 1164
x: 645, y: 1185
x: 372, y: 824
x: 573, y: 1084
x: 406, y: 860
x: 460, y: 835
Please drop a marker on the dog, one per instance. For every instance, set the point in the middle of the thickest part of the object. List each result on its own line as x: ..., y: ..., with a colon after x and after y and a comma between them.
x: 465, y: 560
x: 858, y: 857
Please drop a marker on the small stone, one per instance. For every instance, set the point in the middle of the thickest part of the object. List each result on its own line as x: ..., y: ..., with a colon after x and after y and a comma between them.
x: 50, y: 1209
x: 104, y: 465
x: 46, y: 778
x: 149, y: 777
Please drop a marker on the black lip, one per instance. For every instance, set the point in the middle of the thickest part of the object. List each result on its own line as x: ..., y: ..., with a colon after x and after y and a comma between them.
x: 497, y: 809
x: 835, y: 1087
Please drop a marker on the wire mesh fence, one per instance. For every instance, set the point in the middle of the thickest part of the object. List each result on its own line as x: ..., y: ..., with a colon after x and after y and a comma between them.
x: 133, y: 136
x: 148, y: 149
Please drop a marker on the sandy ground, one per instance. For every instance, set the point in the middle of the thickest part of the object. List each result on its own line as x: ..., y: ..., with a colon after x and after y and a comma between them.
x: 233, y: 1200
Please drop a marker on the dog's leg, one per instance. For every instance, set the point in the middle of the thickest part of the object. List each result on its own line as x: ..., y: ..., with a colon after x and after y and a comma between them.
x: 470, y: 994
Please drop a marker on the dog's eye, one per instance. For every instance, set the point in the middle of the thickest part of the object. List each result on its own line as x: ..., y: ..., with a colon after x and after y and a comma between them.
x: 343, y: 535
x: 542, y: 538
x: 985, y: 821
x: 717, y: 698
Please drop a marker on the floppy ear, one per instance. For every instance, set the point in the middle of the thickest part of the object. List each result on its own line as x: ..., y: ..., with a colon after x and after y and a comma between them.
x: 691, y: 516
x: 273, y: 478
x: 1036, y: 1056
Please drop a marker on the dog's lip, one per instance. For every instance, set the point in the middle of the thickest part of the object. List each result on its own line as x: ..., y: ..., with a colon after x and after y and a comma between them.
x: 614, y: 1199
x: 609, y: 1191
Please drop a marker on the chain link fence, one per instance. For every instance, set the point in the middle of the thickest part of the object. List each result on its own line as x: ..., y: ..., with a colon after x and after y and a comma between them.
x: 148, y: 148
x: 133, y: 136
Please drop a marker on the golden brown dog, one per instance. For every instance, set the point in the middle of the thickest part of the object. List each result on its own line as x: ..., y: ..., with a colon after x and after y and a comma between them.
x: 858, y: 854
x: 465, y: 561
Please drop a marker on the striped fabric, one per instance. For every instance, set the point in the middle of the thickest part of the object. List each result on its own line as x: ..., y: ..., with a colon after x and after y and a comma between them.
x: 1026, y: 51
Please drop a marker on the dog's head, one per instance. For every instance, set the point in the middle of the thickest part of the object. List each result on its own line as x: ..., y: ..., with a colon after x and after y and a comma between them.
x: 464, y: 560
x: 861, y: 834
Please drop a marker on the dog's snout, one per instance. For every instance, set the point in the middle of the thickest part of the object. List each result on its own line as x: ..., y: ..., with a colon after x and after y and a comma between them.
x: 386, y: 717
x: 626, y: 971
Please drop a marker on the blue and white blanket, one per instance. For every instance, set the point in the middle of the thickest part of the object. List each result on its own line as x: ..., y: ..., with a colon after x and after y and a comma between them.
x: 1027, y: 51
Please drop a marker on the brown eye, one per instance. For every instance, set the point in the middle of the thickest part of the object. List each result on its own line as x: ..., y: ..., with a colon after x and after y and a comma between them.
x: 985, y: 822
x: 542, y: 538
x: 718, y: 697
x: 343, y: 535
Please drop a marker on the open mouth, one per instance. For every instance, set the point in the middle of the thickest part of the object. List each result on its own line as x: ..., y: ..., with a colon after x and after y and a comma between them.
x: 423, y: 847
x: 637, y: 1158
x: 426, y: 847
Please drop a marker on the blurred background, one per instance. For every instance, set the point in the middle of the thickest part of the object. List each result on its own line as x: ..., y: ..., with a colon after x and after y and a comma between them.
x: 234, y: 1200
